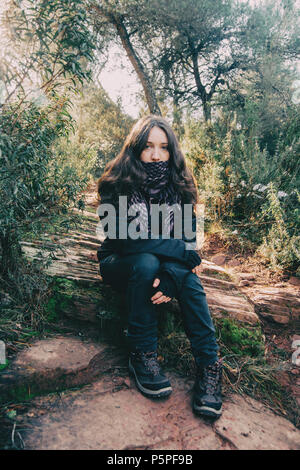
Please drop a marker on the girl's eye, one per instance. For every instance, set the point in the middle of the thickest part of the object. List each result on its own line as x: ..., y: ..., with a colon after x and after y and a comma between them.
x: 149, y: 146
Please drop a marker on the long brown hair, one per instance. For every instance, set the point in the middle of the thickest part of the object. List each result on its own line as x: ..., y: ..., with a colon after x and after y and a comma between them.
x: 124, y: 174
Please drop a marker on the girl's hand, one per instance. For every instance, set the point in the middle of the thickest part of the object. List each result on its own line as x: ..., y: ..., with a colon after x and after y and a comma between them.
x: 159, y: 298
x: 198, y: 269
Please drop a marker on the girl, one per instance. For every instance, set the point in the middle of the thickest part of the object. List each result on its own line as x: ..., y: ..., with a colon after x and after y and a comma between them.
x: 152, y: 269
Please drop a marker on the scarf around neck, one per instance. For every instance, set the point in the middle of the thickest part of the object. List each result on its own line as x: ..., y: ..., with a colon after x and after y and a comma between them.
x: 157, y: 189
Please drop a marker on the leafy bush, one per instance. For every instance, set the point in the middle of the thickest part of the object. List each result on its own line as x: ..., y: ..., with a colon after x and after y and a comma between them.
x: 48, y: 46
x: 248, y: 191
x: 49, y: 41
x: 31, y: 183
x: 281, y: 245
x: 200, y: 150
x: 101, y: 127
x: 81, y: 158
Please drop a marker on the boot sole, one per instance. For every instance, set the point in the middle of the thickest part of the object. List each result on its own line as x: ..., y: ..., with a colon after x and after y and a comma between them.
x: 207, y: 411
x: 163, y: 392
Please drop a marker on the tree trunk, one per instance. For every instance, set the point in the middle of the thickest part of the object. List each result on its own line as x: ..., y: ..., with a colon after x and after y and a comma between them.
x: 200, y: 87
x: 206, y: 111
x: 138, y: 66
x: 177, y: 119
x: 117, y: 21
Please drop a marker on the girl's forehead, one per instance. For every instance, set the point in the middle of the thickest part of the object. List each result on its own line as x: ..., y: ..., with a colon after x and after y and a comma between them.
x: 156, y: 133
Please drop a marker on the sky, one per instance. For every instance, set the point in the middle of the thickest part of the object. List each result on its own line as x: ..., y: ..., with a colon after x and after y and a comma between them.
x: 119, y: 80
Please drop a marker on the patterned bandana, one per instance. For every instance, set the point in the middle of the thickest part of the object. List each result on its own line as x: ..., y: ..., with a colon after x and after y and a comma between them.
x: 157, y: 189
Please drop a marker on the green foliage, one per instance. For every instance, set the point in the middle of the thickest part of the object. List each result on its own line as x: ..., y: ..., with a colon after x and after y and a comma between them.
x: 74, y: 163
x: 52, y: 39
x: 198, y: 148
x: 236, y: 339
x: 240, y: 340
x: 250, y: 135
x: 49, y: 40
x: 51, y: 310
x: 281, y: 245
x: 60, y: 298
x: 101, y: 128
x: 48, y: 46
x: 31, y: 183
x: 22, y: 311
x: 3, y: 366
x: 250, y: 192
x: 181, y: 45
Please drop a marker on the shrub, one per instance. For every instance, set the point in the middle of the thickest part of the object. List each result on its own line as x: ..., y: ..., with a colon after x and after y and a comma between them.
x: 248, y: 192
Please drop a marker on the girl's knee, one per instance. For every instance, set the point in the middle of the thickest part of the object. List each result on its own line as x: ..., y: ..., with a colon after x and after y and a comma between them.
x: 146, y: 264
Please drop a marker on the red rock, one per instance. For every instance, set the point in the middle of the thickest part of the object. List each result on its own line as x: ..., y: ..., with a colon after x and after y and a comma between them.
x: 295, y: 281
x: 245, y: 282
x: 219, y: 259
x: 295, y: 313
x: 247, y: 276
x: 233, y: 262
x: 127, y: 420
x: 296, y: 390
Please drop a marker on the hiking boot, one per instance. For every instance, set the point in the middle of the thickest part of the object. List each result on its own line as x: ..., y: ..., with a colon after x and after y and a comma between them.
x: 148, y: 375
x: 207, y: 398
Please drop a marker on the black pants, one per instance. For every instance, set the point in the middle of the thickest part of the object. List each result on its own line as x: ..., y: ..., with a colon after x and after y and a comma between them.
x: 135, y: 275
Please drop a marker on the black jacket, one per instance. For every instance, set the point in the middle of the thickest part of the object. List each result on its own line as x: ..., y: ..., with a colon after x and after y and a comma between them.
x: 168, y: 248
x: 172, y: 252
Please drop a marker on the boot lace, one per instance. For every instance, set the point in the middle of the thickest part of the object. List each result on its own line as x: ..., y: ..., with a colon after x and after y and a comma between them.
x: 151, y: 362
x: 211, y: 376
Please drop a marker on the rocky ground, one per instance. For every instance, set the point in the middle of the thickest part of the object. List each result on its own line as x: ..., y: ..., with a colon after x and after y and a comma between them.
x: 109, y: 413
x: 71, y: 389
